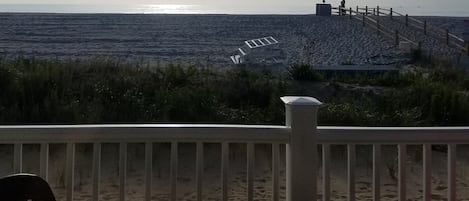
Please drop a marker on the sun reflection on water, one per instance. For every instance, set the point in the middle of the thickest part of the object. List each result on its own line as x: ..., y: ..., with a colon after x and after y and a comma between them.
x: 169, y: 9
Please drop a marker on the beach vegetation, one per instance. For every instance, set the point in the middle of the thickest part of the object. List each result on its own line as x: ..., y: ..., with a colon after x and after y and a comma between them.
x: 303, y: 72
x: 39, y: 91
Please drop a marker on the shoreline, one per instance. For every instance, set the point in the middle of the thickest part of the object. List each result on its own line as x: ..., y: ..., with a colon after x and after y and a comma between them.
x: 204, y: 14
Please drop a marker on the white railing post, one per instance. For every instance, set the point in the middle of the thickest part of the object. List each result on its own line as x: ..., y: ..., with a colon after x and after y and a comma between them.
x: 302, y: 167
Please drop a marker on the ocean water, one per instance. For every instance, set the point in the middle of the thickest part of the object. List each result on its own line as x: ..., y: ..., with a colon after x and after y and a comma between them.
x: 414, y: 7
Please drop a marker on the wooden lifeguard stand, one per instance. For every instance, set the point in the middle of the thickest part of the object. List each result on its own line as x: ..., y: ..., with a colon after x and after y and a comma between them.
x: 323, y: 9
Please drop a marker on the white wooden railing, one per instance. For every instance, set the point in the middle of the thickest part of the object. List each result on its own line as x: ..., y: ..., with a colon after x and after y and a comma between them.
x: 300, y: 134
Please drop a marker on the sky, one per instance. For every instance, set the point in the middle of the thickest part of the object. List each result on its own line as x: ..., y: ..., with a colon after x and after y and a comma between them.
x: 415, y: 7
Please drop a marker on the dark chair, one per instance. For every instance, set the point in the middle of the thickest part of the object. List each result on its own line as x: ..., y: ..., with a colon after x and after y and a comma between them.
x: 25, y: 187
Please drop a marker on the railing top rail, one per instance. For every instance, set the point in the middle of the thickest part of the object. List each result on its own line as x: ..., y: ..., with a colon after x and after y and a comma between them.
x: 418, y: 24
x: 426, y: 129
x: 456, y: 37
x: 137, y: 126
x: 226, y: 133
x: 144, y: 133
x: 416, y: 20
x: 393, y: 135
x: 400, y: 14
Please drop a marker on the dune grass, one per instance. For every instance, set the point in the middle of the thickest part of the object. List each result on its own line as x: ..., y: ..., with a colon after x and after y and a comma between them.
x: 37, y: 91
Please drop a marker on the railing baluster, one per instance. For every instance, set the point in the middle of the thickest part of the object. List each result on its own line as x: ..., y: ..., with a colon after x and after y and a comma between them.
x: 200, y: 169
x: 376, y: 171
x: 351, y: 172
x: 122, y: 170
x: 427, y: 172
x: 452, y: 172
x: 250, y: 171
x: 402, y: 160
x: 275, y: 171
x: 174, y: 170
x: 326, y: 176
x: 148, y: 169
x: 18, y: 158
x: 44, y: 161
x: 70, y: 170
x: 224, y: 170
x: 96, y: 169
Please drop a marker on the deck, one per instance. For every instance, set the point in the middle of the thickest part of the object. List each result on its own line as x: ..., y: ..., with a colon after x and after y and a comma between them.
x: 303, y: 139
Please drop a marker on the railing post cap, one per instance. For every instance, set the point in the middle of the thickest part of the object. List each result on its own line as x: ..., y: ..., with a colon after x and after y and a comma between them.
x: 300, y: 100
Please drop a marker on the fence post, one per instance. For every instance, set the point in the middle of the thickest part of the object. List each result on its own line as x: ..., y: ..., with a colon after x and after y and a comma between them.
x: 390, y: 13
x: 467, y: 48
x: 406, y: 19
x: 363, y: 20
x: 350, y: 12
x: 374, y: 11
x: 357, y: 10
x: 377, y: 26
x: 397, y: 38
x: 377, y: 11
x: 366, y: 10
x: 425, y: 27
x: 301, y: 151
x: 447, y: 37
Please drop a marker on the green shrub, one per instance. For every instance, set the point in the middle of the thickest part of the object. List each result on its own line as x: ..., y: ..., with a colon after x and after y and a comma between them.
x: 303, y: 72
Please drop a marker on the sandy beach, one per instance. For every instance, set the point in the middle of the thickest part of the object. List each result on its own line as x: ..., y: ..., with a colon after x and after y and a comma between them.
x: 200, y: 39
x: 210, y: 40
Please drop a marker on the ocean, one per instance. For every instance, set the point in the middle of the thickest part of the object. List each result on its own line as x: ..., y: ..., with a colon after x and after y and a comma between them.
x: 414, y: 7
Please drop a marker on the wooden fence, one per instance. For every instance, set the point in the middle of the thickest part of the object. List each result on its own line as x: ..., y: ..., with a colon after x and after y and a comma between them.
x: 366, y: 15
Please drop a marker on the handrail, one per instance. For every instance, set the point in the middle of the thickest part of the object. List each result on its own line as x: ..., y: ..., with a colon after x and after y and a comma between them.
x: 437, y: 32
x: 437, y: 29
x: 375, y: 24
x: 227, y: 133
x: 144, y: 132
x: 455, y: 37
x: 393, y: 135
x: 416, y: 20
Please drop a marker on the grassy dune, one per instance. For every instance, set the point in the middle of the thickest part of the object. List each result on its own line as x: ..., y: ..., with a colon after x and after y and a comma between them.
x: 34, y: 91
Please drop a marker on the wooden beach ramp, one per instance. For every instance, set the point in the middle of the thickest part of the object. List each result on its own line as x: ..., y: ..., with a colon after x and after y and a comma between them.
x: 408, y: 32
x: 258, y: 51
